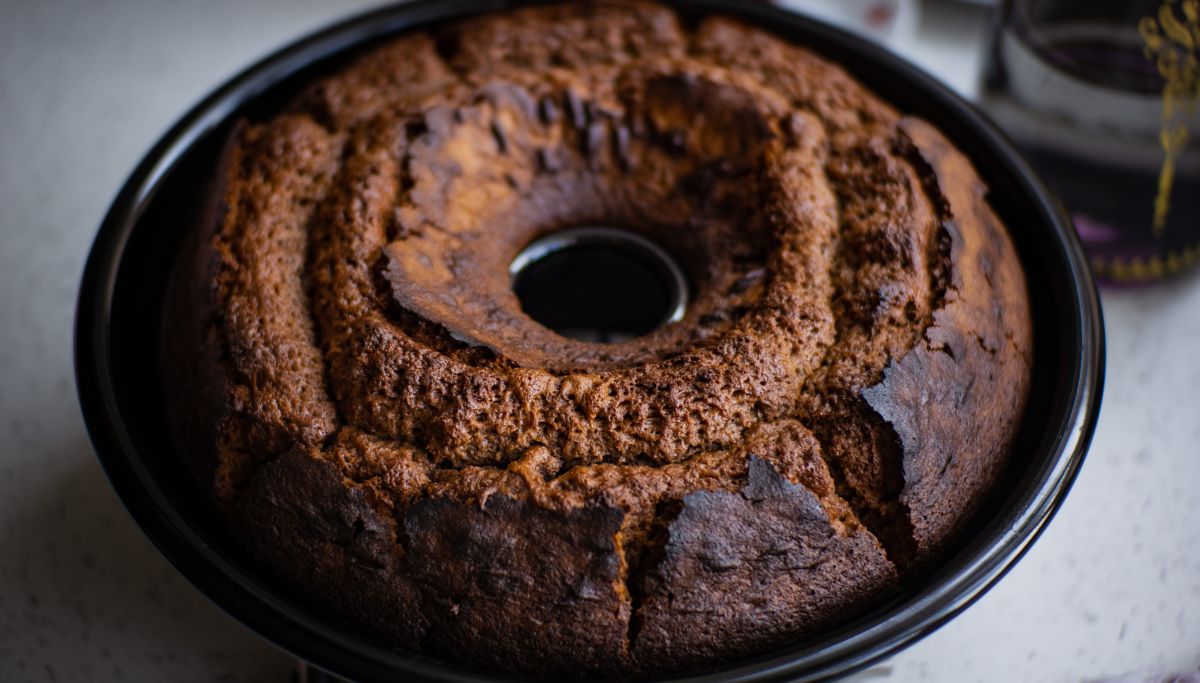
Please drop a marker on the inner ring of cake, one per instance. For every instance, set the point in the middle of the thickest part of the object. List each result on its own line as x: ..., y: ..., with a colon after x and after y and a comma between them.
x: 729, y: 179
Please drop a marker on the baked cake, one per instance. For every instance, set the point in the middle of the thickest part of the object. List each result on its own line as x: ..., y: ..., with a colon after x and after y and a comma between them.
x: 388, y: 435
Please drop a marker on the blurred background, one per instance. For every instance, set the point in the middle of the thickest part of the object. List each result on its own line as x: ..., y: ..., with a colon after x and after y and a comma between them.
x: 1111, y: 589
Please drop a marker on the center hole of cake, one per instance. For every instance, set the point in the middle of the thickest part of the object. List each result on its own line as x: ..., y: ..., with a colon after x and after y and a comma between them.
x: 599, y: 284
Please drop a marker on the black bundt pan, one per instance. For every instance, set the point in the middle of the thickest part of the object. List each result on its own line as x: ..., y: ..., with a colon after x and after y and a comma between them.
x: 121, y: 298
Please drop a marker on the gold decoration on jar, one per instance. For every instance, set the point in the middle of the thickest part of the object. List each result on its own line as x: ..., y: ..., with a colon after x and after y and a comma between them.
x: 1171, y: 41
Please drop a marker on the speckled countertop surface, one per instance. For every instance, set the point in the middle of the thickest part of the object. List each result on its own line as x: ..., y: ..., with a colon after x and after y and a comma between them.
x: 86, y: 87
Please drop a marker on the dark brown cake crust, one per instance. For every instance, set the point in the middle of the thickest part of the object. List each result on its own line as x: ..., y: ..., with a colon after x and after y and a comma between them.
x: 393, y: 438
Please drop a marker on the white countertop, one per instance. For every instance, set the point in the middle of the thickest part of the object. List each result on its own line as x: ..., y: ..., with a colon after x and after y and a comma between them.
x: 87, y: 86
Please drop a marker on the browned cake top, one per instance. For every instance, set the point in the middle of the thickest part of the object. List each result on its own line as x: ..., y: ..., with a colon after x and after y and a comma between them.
x: 845, y: 274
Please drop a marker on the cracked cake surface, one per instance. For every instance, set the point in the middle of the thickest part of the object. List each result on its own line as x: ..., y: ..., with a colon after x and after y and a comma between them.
x: 400, y: 446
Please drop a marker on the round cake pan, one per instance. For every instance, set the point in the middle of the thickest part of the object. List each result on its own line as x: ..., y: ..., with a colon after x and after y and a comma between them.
x: 118, y: 334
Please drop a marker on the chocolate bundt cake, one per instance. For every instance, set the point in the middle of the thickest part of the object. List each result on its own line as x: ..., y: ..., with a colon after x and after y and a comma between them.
x: 392, y: 438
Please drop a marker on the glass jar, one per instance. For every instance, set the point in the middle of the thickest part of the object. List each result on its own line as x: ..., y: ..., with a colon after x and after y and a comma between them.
x: 1101, y: 96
